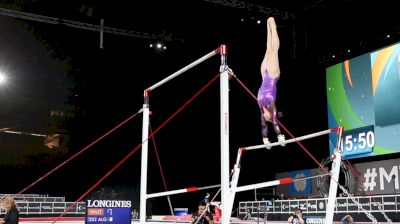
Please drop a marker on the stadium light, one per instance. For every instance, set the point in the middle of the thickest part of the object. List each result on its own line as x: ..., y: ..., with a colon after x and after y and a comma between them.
x: 3, y: 78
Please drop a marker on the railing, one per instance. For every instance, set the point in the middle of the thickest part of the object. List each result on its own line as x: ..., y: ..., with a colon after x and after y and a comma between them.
x: 34, y: 198
x: 39, y: 199
x: 25, y: 195
x: 388, y: 203
x: 50, y: 208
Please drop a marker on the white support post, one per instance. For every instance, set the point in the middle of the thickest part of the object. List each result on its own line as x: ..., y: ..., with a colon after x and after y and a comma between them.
x: 235, y: 179
x: 143, y: 178
x: 224, y: 116
x: 232, y: 192
x: 335, y: 170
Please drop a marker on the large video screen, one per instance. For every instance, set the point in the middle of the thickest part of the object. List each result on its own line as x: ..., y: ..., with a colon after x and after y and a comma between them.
x: 364, y: 97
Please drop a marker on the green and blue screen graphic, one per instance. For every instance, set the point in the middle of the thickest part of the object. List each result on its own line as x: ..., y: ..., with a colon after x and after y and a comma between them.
x: 364, y: 98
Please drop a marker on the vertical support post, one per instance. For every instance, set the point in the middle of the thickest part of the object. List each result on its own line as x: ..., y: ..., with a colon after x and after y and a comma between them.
x: 170, y: 206
x: 235, y: 180
x: 144, y: 162
x: 335, y: 170
x: 224, y: 116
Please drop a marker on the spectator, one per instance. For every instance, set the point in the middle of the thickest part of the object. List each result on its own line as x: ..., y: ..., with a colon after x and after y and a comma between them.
x: 202, y: 216
x: 296, y: 218
x: 135, y: 214
x: 12, y: 213
x: 248, y: 215
x: 347, y: 220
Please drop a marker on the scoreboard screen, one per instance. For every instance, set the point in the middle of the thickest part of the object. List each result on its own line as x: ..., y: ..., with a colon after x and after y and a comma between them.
x: 364, y: 97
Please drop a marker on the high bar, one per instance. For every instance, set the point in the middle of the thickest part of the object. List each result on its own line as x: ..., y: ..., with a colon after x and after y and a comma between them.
x: 291, y: 140
x: 180, y: 191
x: 184, y: 69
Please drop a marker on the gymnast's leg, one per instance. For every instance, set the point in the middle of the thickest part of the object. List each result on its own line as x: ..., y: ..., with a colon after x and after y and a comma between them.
x: 270, y: 62
x: 264, y: 130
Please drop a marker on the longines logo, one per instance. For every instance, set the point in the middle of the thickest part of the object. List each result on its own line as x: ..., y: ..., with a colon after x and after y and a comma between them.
x: 108, y: 203
x: 315, y: 220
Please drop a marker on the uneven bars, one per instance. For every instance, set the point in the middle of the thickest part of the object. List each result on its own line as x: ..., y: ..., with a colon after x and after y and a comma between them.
x: 290, y: 140
x: 184, y: 69
x: 275, y: 182
x: 180, y: 191
x: 238, y: 189
x: 264, y: 184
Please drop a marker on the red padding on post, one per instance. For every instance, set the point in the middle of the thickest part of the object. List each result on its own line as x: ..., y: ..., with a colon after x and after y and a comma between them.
x: 146, y: 93
x: 191, y: 189
x: 223, y: 49
x: 286, y: 180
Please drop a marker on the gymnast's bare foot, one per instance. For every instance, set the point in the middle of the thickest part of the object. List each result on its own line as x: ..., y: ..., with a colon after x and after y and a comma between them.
x: 271, y: 22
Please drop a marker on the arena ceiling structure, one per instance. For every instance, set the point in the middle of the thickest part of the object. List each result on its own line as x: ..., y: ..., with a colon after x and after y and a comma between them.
x: 321, y: 28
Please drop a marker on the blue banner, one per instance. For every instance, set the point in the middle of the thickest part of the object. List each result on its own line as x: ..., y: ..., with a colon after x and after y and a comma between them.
x: 300, y: 187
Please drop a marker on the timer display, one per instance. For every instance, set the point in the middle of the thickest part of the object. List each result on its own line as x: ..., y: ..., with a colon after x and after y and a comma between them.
x: 358, y: 141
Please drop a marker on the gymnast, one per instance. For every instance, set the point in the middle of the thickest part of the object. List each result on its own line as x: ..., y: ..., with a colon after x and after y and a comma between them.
x: 270, y: 73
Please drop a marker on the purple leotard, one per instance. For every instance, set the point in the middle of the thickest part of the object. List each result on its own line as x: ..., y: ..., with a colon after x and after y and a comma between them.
x: 267, y: 95
x: 267, y: 91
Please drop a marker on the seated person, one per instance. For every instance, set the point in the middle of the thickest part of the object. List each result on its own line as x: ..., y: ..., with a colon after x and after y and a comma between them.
x: 297, y: 217
x: 202, y: 215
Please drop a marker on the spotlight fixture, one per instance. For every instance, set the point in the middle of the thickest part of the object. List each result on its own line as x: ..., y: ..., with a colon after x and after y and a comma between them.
x: 159, y: 46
